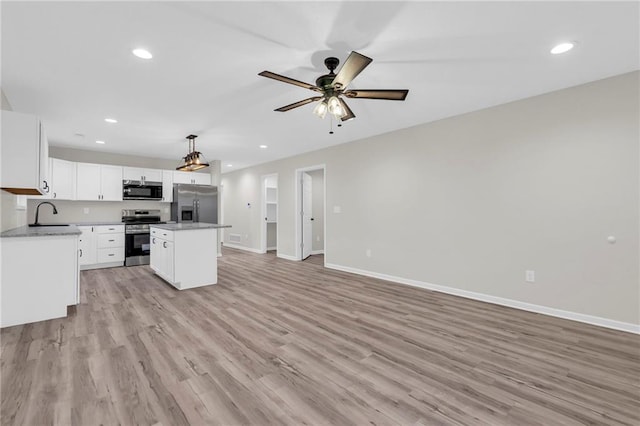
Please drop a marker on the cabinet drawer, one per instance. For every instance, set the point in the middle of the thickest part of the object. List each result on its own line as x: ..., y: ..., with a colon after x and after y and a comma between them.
x: 108, y: 255
x: 109, y: 229
x: 162, y: 233
x: 110, y: 240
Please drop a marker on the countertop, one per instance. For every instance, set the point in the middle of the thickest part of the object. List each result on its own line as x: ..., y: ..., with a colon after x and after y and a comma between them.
x: 187, y: 226
x: 98, y: 223
x: 41, y: 231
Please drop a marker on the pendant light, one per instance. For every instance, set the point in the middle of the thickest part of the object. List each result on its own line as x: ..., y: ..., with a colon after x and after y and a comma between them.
x: 194, y: 160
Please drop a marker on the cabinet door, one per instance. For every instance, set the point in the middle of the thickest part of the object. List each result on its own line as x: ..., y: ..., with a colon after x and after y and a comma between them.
x: 86, y: 246
x: 45, y: 177
x: 21, y: 154
x: 88, y: 181
x: 201, y: 178
x: 169, y: 260
x: 132, y: 173
x: 155, y: 260
x: 167, y: 186
x: 182, y: 177
x: 63, y: 179
x: 152, y: 175
x: 111, y: 183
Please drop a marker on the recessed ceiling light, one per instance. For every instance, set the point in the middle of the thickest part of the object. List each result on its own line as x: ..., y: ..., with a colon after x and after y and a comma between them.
x: 562, y: 48
x: 229, y: 165
x: 100, y: 142
x: 142, y: 53
x: 264, y: 146
x: 110, y: 120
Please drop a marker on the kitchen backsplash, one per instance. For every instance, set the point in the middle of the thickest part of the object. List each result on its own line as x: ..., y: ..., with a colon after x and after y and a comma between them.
x: 96, y: 211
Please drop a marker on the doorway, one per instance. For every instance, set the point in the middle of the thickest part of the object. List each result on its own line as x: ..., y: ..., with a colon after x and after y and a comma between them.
x: 310, y: 211
x: 269, y: 229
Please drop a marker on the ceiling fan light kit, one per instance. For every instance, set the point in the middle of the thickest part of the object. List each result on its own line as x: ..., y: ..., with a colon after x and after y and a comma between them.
x: 194, y: 160
x: 333, y: 86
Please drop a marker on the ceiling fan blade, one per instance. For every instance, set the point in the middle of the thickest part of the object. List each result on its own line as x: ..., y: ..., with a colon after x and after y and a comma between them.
x: 298, y: 104
x: 353, y: 66
x: 391, y: 95
x: 293, y: 81
x: 348, y: 114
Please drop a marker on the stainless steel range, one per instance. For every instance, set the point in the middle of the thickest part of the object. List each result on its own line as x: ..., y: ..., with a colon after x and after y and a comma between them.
x: 137, y: 245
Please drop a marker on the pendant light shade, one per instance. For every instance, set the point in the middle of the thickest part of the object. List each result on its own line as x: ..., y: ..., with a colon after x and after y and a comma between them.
x: 194, y: 160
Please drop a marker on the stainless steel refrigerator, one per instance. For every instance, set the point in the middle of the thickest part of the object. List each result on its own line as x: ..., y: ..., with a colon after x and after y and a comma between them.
x: 194, y: 203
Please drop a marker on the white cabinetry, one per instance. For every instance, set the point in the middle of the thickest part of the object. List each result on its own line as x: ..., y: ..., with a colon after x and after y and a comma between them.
x: 39, y: 278
x: 87, y: 246
x: 24, y: 154
x: 149, y: 175
x: 167, y: 186
x: 99, y: 182
x: 191, y: 177
x: 185, y: 258
x: 63, y: 179
x: 101, y: 246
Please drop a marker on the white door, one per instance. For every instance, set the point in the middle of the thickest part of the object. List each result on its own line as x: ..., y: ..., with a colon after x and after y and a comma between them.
x: 202, y: 178
x: 88, y: 181
x: 307, y: 191
x: 152, y: 175
x: 63, y: 179
x: 167, y: 186
x: 182, y: 177
x: 111, y: 183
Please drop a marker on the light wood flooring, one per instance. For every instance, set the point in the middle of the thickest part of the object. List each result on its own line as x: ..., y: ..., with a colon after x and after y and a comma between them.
x: 281, y: 342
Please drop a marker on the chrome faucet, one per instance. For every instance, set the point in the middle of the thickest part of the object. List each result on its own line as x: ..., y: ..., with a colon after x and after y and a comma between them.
x: 55, y: 211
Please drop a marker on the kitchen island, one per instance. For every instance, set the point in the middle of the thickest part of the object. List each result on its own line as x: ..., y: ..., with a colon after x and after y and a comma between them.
x: 40, y: 276
x: 185, y: 254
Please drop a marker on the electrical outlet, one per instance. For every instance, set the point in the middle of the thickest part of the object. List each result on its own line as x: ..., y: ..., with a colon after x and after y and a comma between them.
x: 86, y: 210
x: 368, y: 252
x: 246, y: 236
x: 318, y: 238
x: 337, y: 209
x: 530, y: 276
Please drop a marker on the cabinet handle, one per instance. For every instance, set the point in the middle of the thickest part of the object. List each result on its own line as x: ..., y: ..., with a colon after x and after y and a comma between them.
x: 112, y: 229
x: 55, y: 195
x: 164, y: 244
x: 46, y: 186
x: 111, y: 254
x: 154, y: 241
x: 111, y: 241
x: 80, y: 252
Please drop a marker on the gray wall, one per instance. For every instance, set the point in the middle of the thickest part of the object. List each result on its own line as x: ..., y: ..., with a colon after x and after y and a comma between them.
x: 473, y: 201
x: 317, y: 209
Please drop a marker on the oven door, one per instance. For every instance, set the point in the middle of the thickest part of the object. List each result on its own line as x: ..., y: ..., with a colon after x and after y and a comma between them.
x: 137, y: 248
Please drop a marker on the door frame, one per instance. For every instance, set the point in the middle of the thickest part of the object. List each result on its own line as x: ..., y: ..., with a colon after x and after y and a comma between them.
x: 298, y: 207
x: 263, y: 212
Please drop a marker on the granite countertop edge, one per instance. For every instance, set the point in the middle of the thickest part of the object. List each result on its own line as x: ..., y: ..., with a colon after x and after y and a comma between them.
x: 41, y: 231
x: 188, y: 226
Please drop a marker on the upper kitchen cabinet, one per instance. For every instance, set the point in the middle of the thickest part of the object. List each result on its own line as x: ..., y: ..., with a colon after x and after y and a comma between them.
x: 63, y: 179
x: 191, y: 177
x: 99, y: 182
x: 149, y: 175
x: 25, y: 154
x: 167, y: 186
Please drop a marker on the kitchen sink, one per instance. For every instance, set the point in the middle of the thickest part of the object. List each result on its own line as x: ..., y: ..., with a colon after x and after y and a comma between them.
x: 48, y: 224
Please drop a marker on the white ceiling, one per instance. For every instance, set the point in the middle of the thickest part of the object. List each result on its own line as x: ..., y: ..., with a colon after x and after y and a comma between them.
x: 71, y: 63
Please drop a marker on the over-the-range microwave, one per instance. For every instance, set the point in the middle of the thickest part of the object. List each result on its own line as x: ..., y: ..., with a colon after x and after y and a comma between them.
x: 141, y: 190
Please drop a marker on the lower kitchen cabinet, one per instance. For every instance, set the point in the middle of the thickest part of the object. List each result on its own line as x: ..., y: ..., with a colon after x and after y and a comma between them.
x: 185, y: 259
x: 101, y: 246
x: 39, y: 278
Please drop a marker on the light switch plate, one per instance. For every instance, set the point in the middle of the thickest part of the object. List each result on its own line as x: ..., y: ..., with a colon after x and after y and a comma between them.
x: 337, y: 209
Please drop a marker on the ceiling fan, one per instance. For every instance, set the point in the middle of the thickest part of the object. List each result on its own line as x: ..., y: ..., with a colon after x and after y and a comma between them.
x: 332, y: 87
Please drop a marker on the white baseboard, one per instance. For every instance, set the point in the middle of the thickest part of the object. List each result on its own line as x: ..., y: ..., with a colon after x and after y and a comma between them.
x: 287, y: 257
x: 272, y: 248
x: 233, y: 246
x: 545, y: 310
x: 317, y: 252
